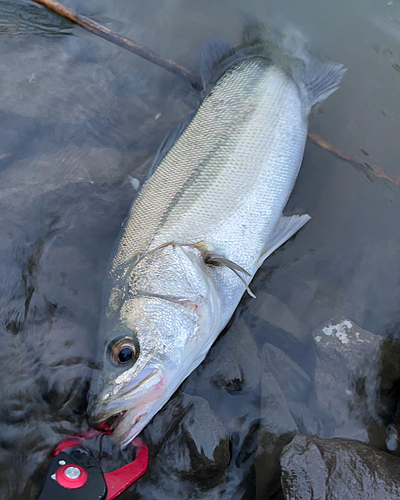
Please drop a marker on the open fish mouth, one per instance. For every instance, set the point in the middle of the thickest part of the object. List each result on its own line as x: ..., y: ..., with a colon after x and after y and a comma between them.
x: 123, y: 415
x: 124, y: 425
x: 112, y: 422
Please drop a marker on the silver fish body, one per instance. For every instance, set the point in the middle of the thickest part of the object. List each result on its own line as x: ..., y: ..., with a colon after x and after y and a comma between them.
x: 197, y: 233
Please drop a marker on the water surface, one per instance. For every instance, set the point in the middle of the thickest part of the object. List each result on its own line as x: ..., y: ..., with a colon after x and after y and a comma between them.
x: 79, y: 118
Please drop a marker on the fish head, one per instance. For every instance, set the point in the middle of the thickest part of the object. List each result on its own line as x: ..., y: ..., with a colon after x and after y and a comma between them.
x: 146, y: 357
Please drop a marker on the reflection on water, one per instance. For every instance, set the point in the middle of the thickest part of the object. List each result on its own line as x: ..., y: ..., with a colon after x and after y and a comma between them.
x: 315, y: 353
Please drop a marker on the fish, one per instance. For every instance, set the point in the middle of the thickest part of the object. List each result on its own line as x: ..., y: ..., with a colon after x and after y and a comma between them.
x: 201, y: 226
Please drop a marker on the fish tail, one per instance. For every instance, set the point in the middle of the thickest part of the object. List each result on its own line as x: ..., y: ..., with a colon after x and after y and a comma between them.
x: 288, y: 47
x: 316, y: 78
x: 322, y: 80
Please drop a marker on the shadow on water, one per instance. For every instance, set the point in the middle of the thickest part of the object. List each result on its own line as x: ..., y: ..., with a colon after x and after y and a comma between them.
x: 315, y: 354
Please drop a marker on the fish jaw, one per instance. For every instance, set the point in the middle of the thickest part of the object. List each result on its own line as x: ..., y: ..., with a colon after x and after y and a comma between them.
x: 132, y: 407
x: 131, y: 413
x: 174, y: 336
x: 146, y: 407
x: 136, y: 419
x: 120, y: 408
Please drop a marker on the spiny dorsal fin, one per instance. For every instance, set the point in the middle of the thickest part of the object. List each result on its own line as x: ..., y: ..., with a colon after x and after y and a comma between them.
x: 212, y: 57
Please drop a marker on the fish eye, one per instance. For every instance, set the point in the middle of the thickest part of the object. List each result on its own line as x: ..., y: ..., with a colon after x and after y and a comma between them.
x: 123, y: 351
x: 125, y: 354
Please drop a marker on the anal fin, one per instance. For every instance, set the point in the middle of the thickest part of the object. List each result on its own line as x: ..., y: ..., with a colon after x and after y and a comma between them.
x: 284, y: 230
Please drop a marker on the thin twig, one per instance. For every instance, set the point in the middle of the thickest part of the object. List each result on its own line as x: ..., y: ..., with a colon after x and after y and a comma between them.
x: 127, y: 44
x: 376, y: 170
x: 177, y: 69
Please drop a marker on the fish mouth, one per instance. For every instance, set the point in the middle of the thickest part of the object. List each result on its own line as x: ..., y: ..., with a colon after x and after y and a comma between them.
x: 112, y: 422
x: 125, y: 415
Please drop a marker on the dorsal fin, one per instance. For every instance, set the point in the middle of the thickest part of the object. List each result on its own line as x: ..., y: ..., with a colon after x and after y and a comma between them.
x: 316, y: 79
x: 213, y: 59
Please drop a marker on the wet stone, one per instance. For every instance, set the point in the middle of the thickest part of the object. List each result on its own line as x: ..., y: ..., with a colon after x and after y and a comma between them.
x: 279, y: 314
x: 293, y: 380
x: 277, y: 430
x: 272, y: 320
x: 187, y: 441
x: 315, y: 468
x: 232, y: 364
x: 71, y: 165
x: 352, y: 380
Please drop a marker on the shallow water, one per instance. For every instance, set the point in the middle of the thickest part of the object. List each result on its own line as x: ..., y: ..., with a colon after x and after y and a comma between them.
x: 79, y: 118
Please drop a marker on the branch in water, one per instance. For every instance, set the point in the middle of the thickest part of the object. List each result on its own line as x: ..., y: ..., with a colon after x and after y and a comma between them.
x: 127, y: 44
x: 177, y: 69
x: 376, y: 170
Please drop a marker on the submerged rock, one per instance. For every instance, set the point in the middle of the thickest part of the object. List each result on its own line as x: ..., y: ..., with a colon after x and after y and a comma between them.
x: 277, y: 429
x: 295, y: 383
x: 71, y: 165
x: 293, y: 380
x: 189, y: 443
x: 232, y: 364
x: 279, y: 324
x: 51, y: 85
x: 319, y: 469
x: 352, y: 380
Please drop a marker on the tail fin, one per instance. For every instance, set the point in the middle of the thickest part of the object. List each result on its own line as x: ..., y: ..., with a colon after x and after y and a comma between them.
x: 317, y: 78
x: 321, y: 80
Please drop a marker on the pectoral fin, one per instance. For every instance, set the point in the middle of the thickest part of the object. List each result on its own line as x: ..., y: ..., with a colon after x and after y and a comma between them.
x: 285, y: 229
x: 215, y: 258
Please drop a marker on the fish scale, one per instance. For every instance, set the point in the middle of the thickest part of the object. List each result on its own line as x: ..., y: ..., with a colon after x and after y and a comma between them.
x: 201, y: 226
x: 217, y: 160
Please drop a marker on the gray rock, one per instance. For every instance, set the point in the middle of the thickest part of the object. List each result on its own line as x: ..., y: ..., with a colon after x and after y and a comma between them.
x: 294, y: 383
x: 283, y: 325
x: 233, y: 364
x: 304, y: 416
x: 292, y: 379
x: 189, y: 442
x: 275, y: 413
x: 350, y: 375
x: 277, y: 429
x: 319, y: 469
